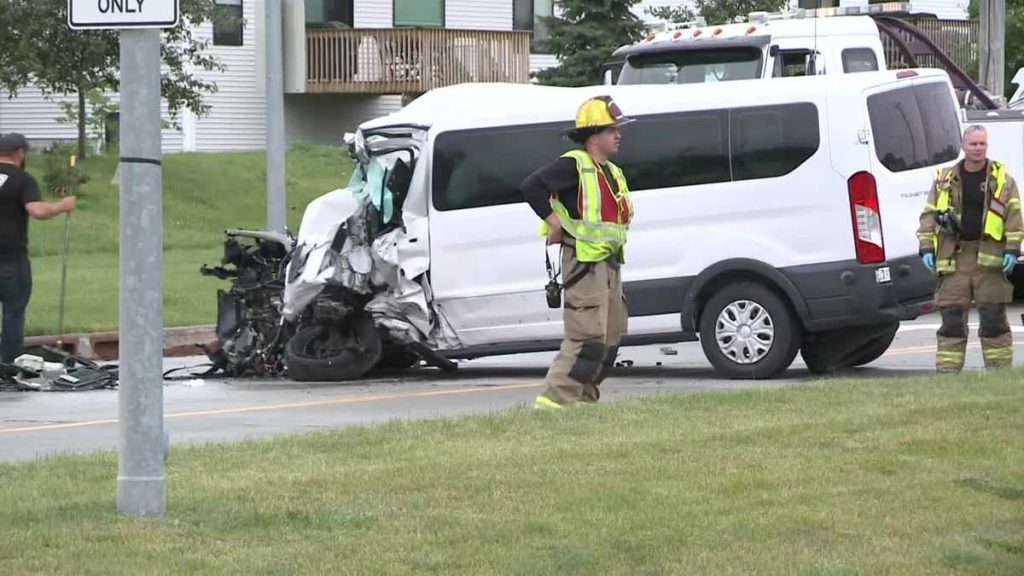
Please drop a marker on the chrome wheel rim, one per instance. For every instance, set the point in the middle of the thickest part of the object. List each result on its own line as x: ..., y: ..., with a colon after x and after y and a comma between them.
x: 745, y: 332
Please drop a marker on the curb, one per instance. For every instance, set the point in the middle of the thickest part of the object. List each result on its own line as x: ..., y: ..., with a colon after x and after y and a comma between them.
x: 178, y: 342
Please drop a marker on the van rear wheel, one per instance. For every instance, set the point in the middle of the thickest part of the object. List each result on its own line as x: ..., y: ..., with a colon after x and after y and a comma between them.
x: 836, y: 350
x: 749, y: 332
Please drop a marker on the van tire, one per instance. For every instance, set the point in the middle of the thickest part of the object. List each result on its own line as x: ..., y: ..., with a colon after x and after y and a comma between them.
x: 355, y: 348
x: 837, y: 350
x: 877, y: 348
x: 752, y: 298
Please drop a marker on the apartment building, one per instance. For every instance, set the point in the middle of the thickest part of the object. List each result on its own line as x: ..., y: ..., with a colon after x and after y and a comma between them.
x: 346, y: 61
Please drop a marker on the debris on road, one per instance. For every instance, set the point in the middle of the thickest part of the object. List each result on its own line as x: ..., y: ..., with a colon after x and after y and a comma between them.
x: 56, y: 372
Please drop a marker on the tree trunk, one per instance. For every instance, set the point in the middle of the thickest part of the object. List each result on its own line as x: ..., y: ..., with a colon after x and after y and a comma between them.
x: 82, y: 144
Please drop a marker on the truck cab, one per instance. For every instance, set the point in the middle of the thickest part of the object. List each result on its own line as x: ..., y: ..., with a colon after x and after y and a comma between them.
x: 776, y: 45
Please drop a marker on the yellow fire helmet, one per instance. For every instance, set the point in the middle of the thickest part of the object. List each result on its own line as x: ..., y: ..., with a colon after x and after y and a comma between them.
x: 598, y: 112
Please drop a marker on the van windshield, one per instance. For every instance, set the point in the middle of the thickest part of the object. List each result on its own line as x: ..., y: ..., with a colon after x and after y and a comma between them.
x: 692, y: 66
x: 914, y: 126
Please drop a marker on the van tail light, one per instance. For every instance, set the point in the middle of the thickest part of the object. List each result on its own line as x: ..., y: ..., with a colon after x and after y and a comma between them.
x: 867, y: 218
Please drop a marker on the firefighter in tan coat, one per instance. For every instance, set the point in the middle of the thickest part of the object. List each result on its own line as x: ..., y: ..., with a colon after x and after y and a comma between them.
x: 585, y: 206
x: 970, y: 234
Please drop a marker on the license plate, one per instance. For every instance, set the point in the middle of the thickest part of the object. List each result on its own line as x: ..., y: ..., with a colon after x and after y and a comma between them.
x: 882, y: 275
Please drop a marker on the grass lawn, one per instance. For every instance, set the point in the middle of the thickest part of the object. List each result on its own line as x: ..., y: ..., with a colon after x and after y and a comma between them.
x: 204, y: 194
x: 907, y: 476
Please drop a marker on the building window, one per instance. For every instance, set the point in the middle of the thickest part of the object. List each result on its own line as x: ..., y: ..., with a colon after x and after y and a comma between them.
x: 419, y: 13
x: 227, y: 23
x: 330, y: 13
x: 815, y: 4
x: 522, y: 14
x: 527, y: 14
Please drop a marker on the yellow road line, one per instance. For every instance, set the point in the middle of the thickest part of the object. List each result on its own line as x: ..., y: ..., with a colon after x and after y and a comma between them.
x: 366, y: 399
x: 920, y: 349
x: 270, y: 407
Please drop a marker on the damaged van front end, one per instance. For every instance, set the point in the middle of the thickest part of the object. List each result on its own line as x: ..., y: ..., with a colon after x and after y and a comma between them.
x: 356, y: 294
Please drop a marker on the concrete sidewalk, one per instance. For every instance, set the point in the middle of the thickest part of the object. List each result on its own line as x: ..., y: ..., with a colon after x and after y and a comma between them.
x: 178, y: 342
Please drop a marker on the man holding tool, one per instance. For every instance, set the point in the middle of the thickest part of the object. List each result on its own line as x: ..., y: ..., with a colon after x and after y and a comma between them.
x: 19, y: 200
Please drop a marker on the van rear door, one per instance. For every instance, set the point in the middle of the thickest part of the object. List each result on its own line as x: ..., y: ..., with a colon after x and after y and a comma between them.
x: 915, y: 130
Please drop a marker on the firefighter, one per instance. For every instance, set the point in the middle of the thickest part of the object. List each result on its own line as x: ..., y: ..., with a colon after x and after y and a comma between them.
x: 970, y: 235
x: 584, y: 203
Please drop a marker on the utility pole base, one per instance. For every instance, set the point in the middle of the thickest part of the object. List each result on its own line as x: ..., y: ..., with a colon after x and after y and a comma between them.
x: 140, y: 496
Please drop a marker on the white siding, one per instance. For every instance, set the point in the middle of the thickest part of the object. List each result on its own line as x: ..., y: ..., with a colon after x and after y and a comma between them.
x: 170, y: 138
x: 539, y: 62
x: 33, y: 115
x: 374, y: 13
x: 948, y: 9
x: 237, y: 118
x: 324, y: 118
x: 36, y: 117
x: 478, y: 14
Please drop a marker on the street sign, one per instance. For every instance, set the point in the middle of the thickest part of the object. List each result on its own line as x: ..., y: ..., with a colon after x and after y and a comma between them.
x: 115, y: 14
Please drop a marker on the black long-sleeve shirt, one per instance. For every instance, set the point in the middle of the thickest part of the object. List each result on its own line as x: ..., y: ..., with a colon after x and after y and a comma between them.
x: 560, y: 179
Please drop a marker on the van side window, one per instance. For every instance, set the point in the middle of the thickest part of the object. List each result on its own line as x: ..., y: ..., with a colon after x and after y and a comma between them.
x: 484, y: 167
x: 770, y: 141
x: 666, y: 150
x: 914, y: 127
x: 859, y: 60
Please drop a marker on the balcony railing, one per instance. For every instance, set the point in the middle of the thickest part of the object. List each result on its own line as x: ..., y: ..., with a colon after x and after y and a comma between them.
x: 400, y: 61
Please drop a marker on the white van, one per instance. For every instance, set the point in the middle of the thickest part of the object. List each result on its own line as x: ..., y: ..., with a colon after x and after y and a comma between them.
x: 771, y: 216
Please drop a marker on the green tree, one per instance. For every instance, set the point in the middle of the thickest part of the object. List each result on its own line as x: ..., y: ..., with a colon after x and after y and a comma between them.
x: 585, y: 36
x: 716, y: 11
x: 1014, y: 38
x: 40, y: 49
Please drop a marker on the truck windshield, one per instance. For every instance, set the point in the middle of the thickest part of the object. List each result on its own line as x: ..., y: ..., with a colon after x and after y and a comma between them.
x: 692, y: 66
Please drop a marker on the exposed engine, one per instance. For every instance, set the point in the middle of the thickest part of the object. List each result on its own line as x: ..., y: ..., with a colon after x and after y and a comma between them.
x: 251, y: 336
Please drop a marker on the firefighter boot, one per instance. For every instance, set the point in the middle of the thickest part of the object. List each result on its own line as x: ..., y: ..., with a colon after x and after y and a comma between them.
x: 952, y: 340
x: 996, y: 338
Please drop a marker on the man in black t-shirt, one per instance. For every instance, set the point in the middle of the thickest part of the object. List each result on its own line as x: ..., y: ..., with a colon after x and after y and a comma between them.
x: 19, y: 200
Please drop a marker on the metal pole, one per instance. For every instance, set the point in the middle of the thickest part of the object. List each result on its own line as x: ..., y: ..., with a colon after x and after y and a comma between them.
x: 276, y: 146
x: 64, y: 266
x: 992, y: 59
x: 141, y: 482
x: 63, y: 280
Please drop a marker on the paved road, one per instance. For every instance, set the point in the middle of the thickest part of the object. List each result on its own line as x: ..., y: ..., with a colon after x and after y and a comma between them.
x: 34, y: 424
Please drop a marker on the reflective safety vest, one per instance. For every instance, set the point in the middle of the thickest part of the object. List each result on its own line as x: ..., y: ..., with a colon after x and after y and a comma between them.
x: 605, y: 214
x: 994, y: 219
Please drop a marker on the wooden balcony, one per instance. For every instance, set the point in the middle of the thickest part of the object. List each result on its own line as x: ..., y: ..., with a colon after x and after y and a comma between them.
x: 403, y: 61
